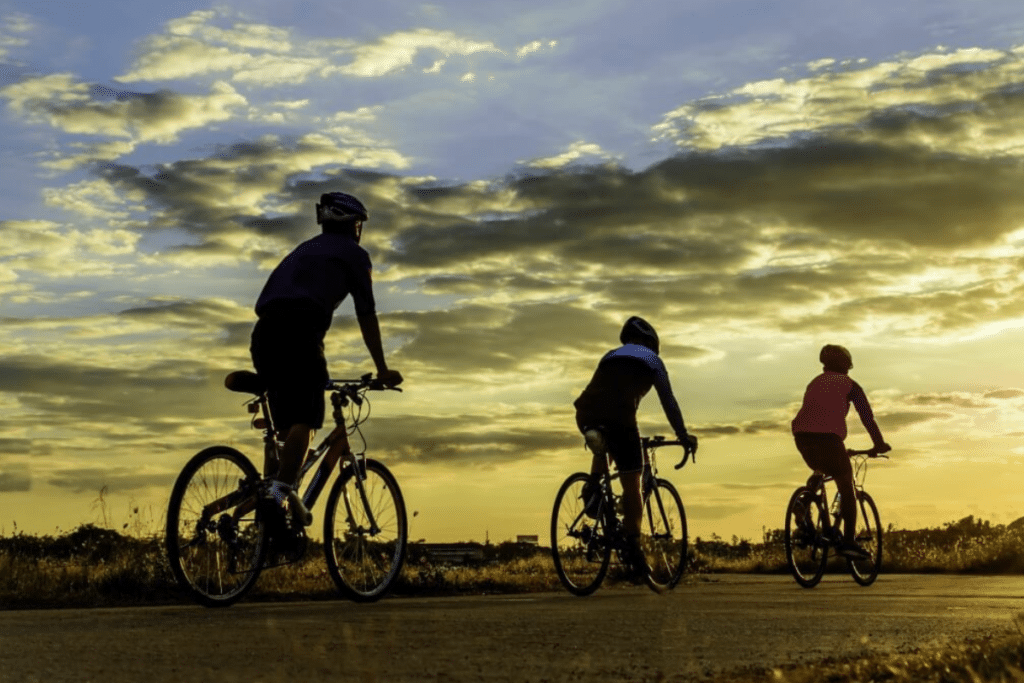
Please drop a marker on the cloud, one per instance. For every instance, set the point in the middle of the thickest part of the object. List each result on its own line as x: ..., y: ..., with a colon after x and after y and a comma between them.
x: 13, y: 29
x: 131, y: 118
x: 258, y: 55
x: 15, y: 478
x: 935, y: 98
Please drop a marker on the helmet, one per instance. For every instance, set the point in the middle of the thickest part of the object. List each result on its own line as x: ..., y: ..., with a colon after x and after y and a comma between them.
x: 638, y: 329
x: 340, y: 207
x: 835, y: 356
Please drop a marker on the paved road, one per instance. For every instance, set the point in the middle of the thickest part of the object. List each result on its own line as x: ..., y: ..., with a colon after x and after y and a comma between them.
x: 616, y: 634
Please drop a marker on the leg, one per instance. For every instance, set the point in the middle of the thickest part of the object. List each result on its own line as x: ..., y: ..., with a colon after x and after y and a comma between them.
x: 632, y: 503
x: 843, y: 477
x: 295, y: 446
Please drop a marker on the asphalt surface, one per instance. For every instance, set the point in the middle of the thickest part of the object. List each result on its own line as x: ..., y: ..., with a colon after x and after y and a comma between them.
x: 721, y: 624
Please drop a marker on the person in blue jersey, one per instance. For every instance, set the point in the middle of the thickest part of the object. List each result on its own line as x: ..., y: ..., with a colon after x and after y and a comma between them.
x: 819, y: 430
x: 606, y: 416
x: 295, y: 310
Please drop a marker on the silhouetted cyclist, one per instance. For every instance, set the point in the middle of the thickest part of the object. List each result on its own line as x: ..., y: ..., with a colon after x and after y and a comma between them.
x: 606, y: 415
x: 295, y: 310
x: 819, y: 429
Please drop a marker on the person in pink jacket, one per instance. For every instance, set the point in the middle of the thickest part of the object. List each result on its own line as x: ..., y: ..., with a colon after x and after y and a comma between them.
x: 819, y: 429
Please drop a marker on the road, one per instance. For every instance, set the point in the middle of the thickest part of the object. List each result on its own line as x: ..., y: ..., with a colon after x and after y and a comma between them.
x: 706, y: 626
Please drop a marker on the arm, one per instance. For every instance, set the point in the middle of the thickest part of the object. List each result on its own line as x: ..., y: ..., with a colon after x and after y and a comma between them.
x: 668, y: 401
x: 867, y: 417
x: 370, y: 328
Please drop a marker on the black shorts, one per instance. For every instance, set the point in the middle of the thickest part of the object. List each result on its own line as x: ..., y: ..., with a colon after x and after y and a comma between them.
x: 288, y: 354
x: 622, y: 438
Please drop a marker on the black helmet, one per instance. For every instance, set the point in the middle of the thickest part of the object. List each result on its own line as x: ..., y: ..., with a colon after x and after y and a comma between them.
x: 340, y: 207
x: 638, y: 329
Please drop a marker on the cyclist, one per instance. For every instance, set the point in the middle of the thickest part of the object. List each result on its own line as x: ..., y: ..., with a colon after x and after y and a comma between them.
x: 295, y: 310
x: 606, y: 415
x: 819, y: 429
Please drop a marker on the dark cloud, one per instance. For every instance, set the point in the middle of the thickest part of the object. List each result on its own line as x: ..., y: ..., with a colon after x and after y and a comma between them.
x: 114, y: 480
x: 897, y: 420
x: 467, y: 439
x: 15, y: 479
x: 1002, y: 394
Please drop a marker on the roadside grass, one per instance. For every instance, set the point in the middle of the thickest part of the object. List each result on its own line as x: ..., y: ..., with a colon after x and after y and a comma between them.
x: 96, y: 566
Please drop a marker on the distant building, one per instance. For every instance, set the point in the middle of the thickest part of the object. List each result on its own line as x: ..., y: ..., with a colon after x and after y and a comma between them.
x: 453, y: 553
x: 528, y: 539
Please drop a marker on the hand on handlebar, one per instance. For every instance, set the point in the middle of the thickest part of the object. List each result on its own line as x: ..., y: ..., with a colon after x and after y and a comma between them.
x: 389, y: 379
x: 689, y: 444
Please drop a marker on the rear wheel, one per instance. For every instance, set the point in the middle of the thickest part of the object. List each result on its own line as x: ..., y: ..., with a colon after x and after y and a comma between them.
x: 806, y: 547
x: 869, y: 536
x: 663, y: 536
x: 579, y: 546
x: 215, y: 540
x: 365, y: 538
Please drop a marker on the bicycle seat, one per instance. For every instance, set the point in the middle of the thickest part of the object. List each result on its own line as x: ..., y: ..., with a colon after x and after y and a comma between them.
x: 245, y: 382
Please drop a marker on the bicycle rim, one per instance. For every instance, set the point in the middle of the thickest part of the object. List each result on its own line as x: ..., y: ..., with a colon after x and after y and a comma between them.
x: 663, y: 536
x: 869, y: 535
x: 806, y: 549
x: 214, y: 556
x: 579, y: 547
x: 365, y: 544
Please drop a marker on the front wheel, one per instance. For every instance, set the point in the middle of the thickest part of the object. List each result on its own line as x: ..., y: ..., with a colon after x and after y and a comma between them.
x: 806, y: 546
x: 580, y: 547
x: 869, y: 536
x: 365, y: 532
x: 215, y: 541
x: 663, y: 536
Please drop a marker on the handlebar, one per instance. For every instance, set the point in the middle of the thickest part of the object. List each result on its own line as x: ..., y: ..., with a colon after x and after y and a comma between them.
x: 870, y: 452
x: 659, y: 441
x: 367, y: 381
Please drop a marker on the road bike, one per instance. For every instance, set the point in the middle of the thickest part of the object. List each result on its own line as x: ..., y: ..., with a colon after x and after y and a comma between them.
x: 223, y: 530
x: 812, y: 528
x: 586, y: 533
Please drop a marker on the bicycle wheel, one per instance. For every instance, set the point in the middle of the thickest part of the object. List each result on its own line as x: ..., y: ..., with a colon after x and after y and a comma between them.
x: 806, y: 548
x: 215, y: 541
x: 869, y: 535
x: 365, y: 539
x: 663, y: 536
x: 579, y: 546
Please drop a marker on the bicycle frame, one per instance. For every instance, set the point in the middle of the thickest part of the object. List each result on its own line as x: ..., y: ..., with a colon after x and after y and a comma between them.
x: 344, y: 393
x: 860, y: 470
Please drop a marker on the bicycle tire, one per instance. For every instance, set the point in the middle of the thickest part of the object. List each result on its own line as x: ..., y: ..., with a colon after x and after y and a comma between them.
x: 663, y: 536
x: 579, y: 545
x: 365, y: 563
x: 869, y: 535
x: 806, y: 548
x: 216, y: 566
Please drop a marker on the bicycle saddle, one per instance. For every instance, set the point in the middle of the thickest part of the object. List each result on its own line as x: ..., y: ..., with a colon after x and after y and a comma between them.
x: 246, y: 382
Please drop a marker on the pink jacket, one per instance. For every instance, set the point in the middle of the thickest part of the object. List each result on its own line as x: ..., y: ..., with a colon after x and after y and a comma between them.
x: 827, y: 401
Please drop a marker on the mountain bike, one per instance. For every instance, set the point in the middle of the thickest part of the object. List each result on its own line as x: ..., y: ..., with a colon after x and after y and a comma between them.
x: 812, y: 528
x: 586, y: 533
x: 223, y: 530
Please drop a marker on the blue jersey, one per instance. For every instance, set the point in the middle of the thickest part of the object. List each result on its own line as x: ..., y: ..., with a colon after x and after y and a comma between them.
x: 623, y: 377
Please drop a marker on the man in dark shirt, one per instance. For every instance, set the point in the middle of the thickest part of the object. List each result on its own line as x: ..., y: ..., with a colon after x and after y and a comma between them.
x: 295, y: 310
x: 606, y: 415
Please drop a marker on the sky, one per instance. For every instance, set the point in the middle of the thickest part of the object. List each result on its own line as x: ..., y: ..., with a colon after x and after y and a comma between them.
x: 755, y: 179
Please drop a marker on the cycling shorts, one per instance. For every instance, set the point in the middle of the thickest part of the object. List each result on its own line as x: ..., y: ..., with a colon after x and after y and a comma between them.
x: 825, y: 453
x: 622, y: 439
x: 288, y: 354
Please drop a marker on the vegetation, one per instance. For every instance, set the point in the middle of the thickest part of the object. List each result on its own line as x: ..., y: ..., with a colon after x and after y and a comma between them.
x: 94, y: 566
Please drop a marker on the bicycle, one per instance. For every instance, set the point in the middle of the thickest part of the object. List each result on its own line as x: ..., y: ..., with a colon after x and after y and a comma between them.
x: 222, y: 532
x: 811, y: 531
x: 584, y: 534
